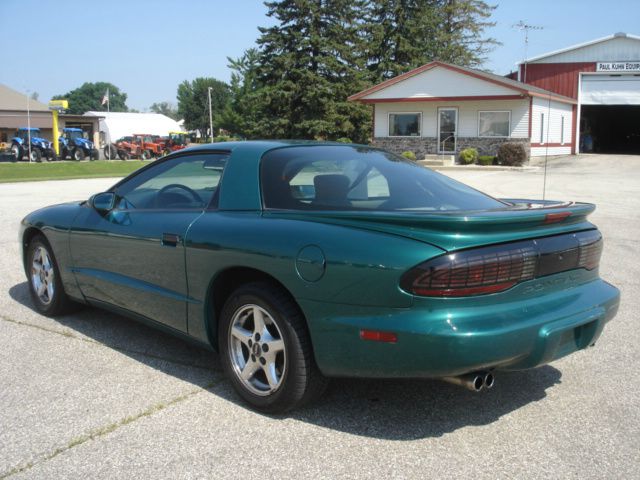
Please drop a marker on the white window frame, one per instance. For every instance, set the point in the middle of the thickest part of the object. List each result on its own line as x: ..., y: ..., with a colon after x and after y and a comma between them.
x: 494, y: 111
x: 404, y: 113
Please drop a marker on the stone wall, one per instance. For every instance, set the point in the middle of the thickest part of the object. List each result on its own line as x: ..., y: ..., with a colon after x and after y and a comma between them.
x: 422, y: 146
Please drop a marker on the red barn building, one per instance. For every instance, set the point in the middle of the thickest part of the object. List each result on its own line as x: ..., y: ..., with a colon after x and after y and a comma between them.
x: 603, y: 75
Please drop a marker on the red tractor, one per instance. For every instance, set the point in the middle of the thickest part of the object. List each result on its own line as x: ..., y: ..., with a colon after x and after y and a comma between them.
x: 175, y: 141
x: 124, y: 148
x: 151, y: 146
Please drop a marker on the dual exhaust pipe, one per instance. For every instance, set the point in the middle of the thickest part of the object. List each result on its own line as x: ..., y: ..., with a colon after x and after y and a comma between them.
x: 475, y: 382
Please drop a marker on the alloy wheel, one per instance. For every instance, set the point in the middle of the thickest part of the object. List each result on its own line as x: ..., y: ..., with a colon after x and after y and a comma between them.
x: 257, y: 350
x: 43, y: 275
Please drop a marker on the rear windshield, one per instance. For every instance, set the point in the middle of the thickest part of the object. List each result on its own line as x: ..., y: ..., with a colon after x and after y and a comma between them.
x: 358, y: 178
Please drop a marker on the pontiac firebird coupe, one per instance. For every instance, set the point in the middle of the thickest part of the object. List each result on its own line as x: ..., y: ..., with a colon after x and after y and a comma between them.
x: 299, y: 262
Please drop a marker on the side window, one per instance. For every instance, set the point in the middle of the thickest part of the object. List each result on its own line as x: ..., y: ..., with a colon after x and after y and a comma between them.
x: 186, y: 182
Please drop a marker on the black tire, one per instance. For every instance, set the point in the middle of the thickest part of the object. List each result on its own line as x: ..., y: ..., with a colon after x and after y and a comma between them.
x: 301, y: 381
x: 36, y: 155
x: 52, y: 156
x: 124, y: 155
x: 94, y: 155
x: 59, y: 303
x: 110, y: 152
x: 78, y: 154
x: 145, y: 155
x: 17, y: 151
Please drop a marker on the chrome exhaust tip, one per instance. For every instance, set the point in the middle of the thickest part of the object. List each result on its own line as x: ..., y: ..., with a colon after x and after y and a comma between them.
x: 471, y: 381
x: 489, y: 380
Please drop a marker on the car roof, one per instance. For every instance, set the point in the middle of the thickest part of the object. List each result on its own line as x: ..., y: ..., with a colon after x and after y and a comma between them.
x: 266, y: 145
x: 240, y: 188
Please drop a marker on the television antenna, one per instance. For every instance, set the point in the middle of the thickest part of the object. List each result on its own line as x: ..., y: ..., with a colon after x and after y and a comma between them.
x: 522, y: 26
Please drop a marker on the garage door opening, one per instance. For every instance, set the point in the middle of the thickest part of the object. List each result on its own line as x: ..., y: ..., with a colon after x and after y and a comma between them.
x: 610, y: 129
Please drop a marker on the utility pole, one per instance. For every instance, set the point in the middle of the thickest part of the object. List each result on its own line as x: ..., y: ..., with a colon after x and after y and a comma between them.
x: 526, y: 27
x: 210, y: 114
x: 29, y: 123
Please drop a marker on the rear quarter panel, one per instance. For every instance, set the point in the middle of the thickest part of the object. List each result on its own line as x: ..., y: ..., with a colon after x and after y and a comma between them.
x: 362, y: 267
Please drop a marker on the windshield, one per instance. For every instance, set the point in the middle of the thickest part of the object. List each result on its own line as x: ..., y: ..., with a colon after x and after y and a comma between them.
x: 74, y: 135
x: 178, y: 138
x: 35, y: 132
x: 355, y: 178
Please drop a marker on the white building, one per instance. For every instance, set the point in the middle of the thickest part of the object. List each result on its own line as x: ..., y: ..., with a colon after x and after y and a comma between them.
x: 443, y: 108
x: 116, y: 125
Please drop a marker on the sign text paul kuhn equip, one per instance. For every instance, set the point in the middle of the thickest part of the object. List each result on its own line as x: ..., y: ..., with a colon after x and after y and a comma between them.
x: 618, y: 66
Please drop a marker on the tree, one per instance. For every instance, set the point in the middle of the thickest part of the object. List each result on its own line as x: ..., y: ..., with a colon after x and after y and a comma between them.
x: 461, y: 36
x: 165, y: 108
x: 89, y: 97
x: 310, y: 62
x: 193, y: 103
x: 241, y: 113
x: 405, y: 34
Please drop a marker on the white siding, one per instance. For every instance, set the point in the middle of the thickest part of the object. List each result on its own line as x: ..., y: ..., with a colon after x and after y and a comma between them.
x: 553, y: 113
x: 613, y: 50
x: 467, y: 116
x: 441, y: 82
x: 542, y: 151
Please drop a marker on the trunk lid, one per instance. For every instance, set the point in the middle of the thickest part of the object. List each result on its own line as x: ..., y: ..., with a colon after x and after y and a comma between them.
x: 521, y: 219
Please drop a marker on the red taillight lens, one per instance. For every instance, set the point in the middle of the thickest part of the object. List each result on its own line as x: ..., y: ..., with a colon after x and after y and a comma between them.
x: 497, y: 268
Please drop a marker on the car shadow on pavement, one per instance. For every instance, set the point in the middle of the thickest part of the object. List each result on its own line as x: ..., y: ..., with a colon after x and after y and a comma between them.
x: 384, y: 409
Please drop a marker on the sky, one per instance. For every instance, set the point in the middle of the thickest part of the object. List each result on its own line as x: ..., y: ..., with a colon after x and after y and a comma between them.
x: 148, y: 47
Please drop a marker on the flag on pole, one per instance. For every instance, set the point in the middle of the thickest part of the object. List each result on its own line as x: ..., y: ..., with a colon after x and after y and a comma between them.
x: 105, y: 99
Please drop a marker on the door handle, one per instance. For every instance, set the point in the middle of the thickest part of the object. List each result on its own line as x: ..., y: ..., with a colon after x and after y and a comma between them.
x: 170, y: 239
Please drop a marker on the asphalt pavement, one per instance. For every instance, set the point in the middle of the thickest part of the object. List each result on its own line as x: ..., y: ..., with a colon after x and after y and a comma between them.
x: 94, y: 395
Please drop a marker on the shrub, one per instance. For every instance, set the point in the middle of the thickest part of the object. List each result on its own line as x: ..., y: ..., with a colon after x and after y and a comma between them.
x: 468, y: 155
x: 344, y: 140
x: 409, y: 155
x: 512, y: 154
x: 486, y: 160
x: 224, y: 138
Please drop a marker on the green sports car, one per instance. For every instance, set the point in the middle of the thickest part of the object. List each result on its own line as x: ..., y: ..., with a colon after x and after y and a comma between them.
x: 301, y: 261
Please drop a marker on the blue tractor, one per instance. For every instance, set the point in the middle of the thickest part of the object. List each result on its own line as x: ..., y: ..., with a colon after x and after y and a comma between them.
x: 40, y: 147
x: 74, y: 145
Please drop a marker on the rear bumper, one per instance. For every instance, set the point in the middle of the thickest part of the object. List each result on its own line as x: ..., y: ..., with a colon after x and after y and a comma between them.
x: 446, y: 337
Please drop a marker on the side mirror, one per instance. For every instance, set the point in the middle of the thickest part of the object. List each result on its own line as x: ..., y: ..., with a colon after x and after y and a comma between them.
x: 103, y: 202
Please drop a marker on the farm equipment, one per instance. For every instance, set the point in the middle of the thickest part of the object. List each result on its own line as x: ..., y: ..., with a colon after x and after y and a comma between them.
x: 40, y: 147
x: 124, y: 148
x: 74, y: 145
x: 175, y: 141
x: 150, y: 145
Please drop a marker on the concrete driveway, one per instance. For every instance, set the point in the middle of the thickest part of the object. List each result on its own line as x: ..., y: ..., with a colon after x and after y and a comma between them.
x: 94, y: 395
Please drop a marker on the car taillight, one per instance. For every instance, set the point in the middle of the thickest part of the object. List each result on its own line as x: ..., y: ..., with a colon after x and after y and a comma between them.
x: 484, y: 270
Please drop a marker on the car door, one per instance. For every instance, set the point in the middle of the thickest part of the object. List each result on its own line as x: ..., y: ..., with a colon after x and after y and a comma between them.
x: 132, y: 256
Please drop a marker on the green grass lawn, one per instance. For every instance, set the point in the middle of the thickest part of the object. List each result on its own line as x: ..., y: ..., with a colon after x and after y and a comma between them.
x: 26, y: 172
